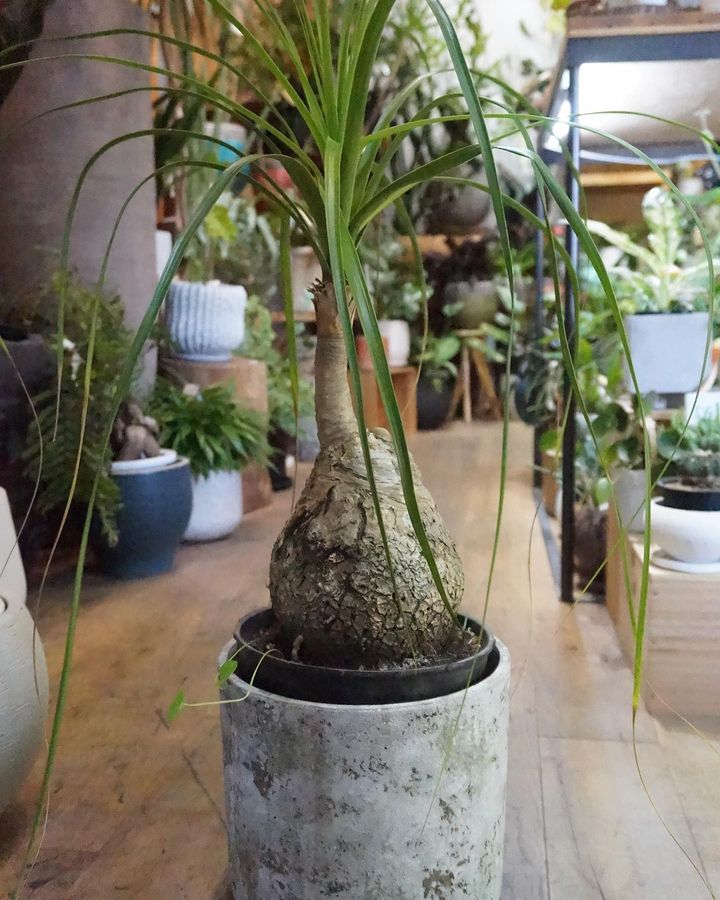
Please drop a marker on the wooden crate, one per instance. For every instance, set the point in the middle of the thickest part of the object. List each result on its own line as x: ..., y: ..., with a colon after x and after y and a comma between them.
x: 682, y: 634
x: 247, y: 379
x: 405, y: 383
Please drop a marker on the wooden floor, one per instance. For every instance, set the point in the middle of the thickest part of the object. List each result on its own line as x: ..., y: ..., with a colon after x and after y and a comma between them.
x: 137, y: 807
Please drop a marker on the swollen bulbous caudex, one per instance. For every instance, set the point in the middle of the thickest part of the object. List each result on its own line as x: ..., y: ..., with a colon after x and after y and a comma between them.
x: 329, y: 577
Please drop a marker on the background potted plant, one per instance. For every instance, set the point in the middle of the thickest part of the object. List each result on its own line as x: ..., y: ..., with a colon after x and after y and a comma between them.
x: 620, y: 429
x: 260, y: 344
x: 663, y: 288
x: 686, y: 520
x: 438, y: 374
x: 142, y: 501
x: 397, y: 294
x: 218, y: 438
x: 205, y: 318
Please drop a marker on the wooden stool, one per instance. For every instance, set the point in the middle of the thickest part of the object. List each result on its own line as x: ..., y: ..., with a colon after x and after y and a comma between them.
x: 463, y: 387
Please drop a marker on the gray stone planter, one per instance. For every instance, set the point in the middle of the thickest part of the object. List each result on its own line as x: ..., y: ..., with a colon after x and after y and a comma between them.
x: 667, y: 351
x: 338, y: 801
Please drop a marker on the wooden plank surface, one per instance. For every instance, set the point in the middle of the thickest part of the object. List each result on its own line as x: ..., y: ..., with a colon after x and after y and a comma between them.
x: 660, y: 21
x: 137, y: 805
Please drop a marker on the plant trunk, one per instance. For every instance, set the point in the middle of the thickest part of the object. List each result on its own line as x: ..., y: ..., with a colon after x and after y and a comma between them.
x: 330, y: 585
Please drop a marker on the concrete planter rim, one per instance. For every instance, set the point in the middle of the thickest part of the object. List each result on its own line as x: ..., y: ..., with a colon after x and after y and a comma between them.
x: 488, y: 682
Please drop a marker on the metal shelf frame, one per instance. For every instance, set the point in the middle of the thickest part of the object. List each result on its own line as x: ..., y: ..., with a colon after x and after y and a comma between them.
x: 610, y: 48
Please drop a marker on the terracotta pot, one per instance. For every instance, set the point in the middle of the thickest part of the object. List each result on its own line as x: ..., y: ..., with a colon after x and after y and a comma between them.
x: 363, y: 352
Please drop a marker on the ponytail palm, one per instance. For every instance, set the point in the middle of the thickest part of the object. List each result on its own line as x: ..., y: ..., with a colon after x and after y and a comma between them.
x: 365, y: 570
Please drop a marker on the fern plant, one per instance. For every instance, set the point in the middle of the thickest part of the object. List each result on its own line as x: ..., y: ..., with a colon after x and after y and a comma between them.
x: 209, y: 428
x: 79, y: 442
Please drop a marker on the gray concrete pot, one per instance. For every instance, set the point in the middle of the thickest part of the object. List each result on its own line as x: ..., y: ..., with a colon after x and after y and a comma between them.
x: 327, y: 800
x: 667, y: 351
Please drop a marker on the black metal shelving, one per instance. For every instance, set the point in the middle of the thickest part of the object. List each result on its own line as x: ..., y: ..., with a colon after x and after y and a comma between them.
x: 673, y: 43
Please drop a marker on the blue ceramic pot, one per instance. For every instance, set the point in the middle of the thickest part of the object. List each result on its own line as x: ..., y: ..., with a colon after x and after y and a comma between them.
x: 154, y: 513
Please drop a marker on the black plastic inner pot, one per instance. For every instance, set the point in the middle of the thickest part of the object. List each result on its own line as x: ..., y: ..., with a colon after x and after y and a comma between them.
x: 324, y: 684
x: 685, y: 496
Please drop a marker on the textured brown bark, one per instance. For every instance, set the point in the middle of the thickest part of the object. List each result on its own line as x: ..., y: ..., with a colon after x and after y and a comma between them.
x: 329, y: 578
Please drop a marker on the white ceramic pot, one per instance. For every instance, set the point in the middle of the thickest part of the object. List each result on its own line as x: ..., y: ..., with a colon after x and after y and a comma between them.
x: 217, y: 506
x: 23, y: 679
x: 668, y: 351
x: 630, y: 498
x: 305, y: 271
x: 366, y: 801
x: 166, y: 457
x: 206, y: 320
x: 688, y: 535
x: 397, y: 333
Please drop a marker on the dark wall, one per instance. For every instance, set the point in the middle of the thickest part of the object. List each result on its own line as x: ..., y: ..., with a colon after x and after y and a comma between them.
x: 39, y: 165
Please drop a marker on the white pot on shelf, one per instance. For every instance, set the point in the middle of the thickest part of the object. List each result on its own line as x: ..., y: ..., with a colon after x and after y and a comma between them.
x: 206, y: 320
x: 164, y: 458
x: 217, y: 506
x: 305, y: 271
x: 688, y: 535
x: 667, y: 351
x: 397, y: 333
x: 23, y: 671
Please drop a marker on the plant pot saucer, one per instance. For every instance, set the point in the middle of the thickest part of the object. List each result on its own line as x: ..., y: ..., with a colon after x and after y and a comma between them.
x: 663, y: 561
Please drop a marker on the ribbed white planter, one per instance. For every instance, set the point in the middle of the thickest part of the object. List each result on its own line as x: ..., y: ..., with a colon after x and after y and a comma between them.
x: 339, y: 801
x: 217, y: 506
x: 23, y: 706
x: 688, y: 535
x: 205, y: 320
x: 668, y: 351
x: 630, y: 498
x: 397, y: 332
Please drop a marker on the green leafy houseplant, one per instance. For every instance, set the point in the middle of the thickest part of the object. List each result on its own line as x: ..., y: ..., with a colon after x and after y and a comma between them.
x: 76, y: 455
x: 435, y: 357
x: 259, y: 344
x: 394, y: 286
x: 664, y: 275
x: 693, y: 452
x: 209, y: 428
